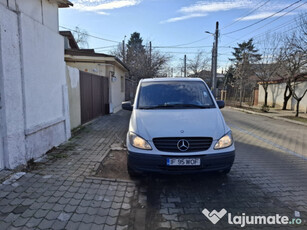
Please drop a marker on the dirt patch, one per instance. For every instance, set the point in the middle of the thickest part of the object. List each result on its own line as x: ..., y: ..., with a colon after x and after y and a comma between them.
x: 114, y: 166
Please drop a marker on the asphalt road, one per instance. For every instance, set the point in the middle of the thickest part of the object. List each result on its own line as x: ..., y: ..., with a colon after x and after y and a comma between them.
x: 268, y: 177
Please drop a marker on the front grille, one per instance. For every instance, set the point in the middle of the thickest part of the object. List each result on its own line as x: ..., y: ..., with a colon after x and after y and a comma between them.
x: 169, y: 144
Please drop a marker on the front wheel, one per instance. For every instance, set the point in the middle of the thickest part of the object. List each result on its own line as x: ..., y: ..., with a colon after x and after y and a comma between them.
x: 131, y: 172
x: 226, y: 171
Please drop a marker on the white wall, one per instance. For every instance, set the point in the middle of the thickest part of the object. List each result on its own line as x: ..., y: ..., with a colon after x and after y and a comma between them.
x: 276, y: 96
x: 12, y: 114
x: 50, y: 15
x: 73, y: 84
x: 43, y: 72
x: 94, y: 68
x: 117, y: 95
x: 34, y: 95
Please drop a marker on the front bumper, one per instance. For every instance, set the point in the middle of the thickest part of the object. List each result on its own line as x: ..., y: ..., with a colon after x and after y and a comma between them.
x: 157, y: 163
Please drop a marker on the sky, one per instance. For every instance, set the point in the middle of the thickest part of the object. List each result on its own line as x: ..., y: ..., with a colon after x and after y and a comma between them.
x: 177, y: 27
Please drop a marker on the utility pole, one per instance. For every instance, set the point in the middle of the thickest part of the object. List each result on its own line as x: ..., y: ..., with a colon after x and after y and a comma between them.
x: 150, y: 50
x: 212, y: 68
x: 185, y: 66
x: 214, y: 58
x: 124, y: 58
x: 124, y: 50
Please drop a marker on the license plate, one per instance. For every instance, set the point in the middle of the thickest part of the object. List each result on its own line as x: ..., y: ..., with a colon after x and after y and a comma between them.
x: 182, y: 161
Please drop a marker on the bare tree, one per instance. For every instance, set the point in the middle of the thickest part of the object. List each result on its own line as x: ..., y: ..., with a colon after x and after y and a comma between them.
x: 266, y: 68
x: 293, y: 62
x: 300, y: 41
x: 81, y: 37
x: 198, y: 64
x: 296, y: 96
x: 118, y: 51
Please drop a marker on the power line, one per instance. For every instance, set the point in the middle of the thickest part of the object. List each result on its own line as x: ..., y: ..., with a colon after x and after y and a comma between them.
x: 103, y: 39
x: 282, y: 16
x: 245, y: 15
x: 186, y: 47
x: 186, y: 44
x: 105, y: 47
x: 263, y: 18
x: 277, y: 27
x: 174, y: 52
x: 271, y: 30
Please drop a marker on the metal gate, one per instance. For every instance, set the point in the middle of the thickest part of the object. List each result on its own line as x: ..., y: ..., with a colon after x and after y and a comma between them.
x: 94, y: 92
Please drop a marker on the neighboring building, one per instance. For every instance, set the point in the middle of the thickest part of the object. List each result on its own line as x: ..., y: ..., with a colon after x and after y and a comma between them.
x: 94, y: 64
x: 102, y: 65
x: 34, y: 115
x: 276, y: 91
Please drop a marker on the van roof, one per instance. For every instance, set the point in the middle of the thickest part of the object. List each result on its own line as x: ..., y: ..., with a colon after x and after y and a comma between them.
x: 171, y: 79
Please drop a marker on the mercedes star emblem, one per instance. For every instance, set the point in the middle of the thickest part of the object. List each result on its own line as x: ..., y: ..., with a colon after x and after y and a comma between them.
x: 183, y: 145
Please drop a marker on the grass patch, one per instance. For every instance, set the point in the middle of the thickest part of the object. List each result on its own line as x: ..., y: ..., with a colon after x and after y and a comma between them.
x: 78, y: 130
x: 52, y: 156
x: 251, y: 109
x: 301, y: 119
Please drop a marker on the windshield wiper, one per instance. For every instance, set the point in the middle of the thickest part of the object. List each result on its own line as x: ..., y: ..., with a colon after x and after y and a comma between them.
x: 176, y: 106
x: 194, y: 106
x: 157, y: 106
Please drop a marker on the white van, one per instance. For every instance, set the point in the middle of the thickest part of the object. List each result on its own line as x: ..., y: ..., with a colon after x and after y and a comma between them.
x: 176, y: 126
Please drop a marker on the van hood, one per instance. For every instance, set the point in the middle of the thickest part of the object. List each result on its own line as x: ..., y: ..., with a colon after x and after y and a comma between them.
x: 150, y: 124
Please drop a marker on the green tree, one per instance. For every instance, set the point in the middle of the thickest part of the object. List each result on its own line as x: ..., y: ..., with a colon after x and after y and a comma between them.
x: 142, y: 61
x: 136, y: 56
x: 135, y: 44
x: 229, y: 77
x: 244, y: 56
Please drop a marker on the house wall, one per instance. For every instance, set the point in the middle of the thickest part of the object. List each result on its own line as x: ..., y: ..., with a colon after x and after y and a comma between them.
x: 33, y: 86
x: 276, y: 96
x: 116, y: 97
x: 94, y: 68
x: 73, y: 84
x: 12, y: 115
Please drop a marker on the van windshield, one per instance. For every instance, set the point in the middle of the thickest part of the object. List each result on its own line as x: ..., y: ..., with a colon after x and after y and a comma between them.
x: 174, y: 95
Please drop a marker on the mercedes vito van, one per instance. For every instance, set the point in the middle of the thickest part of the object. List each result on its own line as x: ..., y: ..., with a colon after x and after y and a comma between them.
x: 176, y: 126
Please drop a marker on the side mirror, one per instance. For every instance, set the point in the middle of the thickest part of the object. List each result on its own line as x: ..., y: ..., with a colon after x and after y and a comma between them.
x: 221, y: 104
x: 126, y: 105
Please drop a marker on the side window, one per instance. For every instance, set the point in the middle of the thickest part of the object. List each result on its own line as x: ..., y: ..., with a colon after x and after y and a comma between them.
x: 122, y: 84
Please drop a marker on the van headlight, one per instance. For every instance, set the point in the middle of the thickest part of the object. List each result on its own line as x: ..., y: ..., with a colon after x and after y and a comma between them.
x: 138, y: 142
x: 224, y: 142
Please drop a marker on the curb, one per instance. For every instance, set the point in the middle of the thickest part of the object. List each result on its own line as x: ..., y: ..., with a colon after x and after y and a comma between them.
x: 269, y: 116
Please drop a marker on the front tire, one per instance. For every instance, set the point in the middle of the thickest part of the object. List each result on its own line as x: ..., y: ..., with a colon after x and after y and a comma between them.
x: 132, y: 173
x: 226, y: 171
